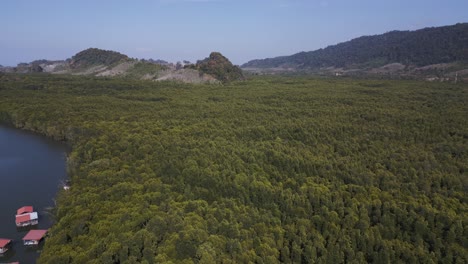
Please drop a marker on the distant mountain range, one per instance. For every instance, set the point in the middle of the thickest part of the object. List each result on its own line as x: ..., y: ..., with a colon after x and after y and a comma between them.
x: 437, y: 53
x: 97, y: 62
x: 411, y: 52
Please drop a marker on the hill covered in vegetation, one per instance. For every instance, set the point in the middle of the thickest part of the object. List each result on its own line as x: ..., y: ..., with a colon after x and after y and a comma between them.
x: 220, y: 67
x: 290, y: 170
x: 93, y: 56
x: 418, y: 48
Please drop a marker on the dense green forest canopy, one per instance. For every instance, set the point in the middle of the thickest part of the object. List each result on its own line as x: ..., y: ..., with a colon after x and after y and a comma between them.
x: 421, y: 47
x: 273, y: 169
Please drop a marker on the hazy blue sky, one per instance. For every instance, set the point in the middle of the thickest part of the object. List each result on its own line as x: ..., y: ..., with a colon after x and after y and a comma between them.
x: 190, y: 29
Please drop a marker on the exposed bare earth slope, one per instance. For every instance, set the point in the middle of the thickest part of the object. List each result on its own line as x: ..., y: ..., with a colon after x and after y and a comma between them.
x: 106, y: 63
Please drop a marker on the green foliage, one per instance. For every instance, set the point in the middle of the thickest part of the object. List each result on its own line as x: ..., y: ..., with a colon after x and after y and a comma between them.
x: 270, y: 170
x: 220, y: 67
x: 93, y: 56
x: 420, y: 47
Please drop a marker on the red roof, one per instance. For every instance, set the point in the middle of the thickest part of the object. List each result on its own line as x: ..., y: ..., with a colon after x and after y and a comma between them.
x: 35, y: 234
x: 4, y: 242
x: 26, y: 217
x: 24, y: 209
x: 22, y: 218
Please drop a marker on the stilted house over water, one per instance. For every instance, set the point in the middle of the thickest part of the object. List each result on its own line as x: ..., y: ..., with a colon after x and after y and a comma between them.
x: 34, y: 237
x: 4, y: 245
x: 25, y: 216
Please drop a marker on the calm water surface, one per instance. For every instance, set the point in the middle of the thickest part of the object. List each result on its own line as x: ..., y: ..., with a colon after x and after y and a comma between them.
x: 31, y: 170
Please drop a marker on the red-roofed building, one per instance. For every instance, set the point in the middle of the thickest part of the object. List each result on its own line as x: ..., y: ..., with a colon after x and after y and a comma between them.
x: 24, y: 210
x: 27, y: 219
x: 33, y: 237
x: 4, y: 245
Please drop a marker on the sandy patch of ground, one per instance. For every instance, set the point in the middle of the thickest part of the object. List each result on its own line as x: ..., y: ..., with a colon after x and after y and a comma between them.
x: 187, y: 75
x: 439, y: 66
x: 91, y: 70
x: 120, y: 69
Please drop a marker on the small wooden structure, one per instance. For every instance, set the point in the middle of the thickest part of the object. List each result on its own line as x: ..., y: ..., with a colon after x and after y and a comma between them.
x: 34, y: 237
x: 25, y: 216
x: 4, y: 245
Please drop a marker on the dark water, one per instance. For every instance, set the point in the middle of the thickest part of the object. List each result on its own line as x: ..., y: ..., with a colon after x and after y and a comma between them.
x: 31, y: 170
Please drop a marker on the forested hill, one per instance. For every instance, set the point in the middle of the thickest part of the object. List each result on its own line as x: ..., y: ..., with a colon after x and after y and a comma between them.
x: 220, y: 67
x: 419, y: 48
x: 93, y: 56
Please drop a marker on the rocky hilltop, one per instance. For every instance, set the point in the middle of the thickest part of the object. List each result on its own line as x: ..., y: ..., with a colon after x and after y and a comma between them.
x: 220, y: 67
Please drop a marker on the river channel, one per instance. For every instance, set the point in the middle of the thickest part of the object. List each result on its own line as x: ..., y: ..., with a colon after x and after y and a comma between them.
x: 32, y: 168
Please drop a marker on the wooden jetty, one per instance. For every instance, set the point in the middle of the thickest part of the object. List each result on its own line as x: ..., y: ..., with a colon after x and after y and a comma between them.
x: 4, y: 245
